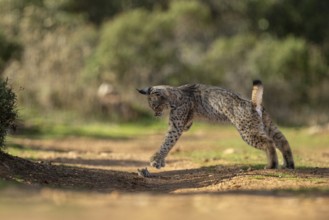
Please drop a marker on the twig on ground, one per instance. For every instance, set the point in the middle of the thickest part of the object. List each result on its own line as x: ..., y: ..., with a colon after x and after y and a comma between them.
x: 143, y: 172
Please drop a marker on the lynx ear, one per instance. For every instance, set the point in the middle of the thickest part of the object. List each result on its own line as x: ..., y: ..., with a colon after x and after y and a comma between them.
x: 144, y: 91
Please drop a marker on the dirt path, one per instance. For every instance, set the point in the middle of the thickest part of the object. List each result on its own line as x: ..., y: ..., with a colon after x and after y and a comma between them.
x: 108, y: 165
x: 80, y: 166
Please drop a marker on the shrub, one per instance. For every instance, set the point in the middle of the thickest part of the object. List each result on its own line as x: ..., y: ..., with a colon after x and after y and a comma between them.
x: 141, y: 47
x: 294, y: 73
x: 7, y: 109
x: 8, y: 50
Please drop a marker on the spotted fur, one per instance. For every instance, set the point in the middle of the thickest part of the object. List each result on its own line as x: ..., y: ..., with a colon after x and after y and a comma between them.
x: 217, y: 104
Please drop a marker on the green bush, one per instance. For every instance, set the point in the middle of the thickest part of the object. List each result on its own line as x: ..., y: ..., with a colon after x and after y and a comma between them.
x: 291, y: 68
x: 300, y: 18
x: 7, y: 110
x: 98, y: 10
x: 8, y: 50
x: 66, y: 57
x: 56, y: 47
x: 180, y: 46
x: 142, y: 47
x: 226, y: 61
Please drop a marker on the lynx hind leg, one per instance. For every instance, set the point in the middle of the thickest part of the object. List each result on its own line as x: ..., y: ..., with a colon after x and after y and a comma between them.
x: 262, y: 142
x: 257, y: 138
x: 283, y: 145
x: 280, y: 142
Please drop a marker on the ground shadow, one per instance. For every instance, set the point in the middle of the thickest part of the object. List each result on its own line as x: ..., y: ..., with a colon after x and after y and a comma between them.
x: 77, y: 178
x: 98, y: 162
x: 100, y: 180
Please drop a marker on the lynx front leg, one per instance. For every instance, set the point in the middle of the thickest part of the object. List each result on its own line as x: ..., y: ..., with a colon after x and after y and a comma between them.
x: 178, y: 121
x: 189, y: 121
x: 173, y: 134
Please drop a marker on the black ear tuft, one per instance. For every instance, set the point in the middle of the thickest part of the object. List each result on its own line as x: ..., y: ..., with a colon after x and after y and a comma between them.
x: 144, y: 91
x: 257, y: 82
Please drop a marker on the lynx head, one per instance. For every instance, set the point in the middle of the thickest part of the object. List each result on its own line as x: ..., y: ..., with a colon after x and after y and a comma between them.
x: 157, y: 97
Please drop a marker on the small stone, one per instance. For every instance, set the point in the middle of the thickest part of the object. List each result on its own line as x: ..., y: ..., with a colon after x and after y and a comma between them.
x: 228, y: 151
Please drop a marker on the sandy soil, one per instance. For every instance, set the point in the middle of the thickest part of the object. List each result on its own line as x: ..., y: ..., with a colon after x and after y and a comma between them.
x: 88, y: 174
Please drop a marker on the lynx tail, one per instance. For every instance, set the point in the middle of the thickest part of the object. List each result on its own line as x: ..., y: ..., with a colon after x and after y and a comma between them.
x: 257, y: 95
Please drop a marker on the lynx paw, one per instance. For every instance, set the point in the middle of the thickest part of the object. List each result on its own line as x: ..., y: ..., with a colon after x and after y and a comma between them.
x: 289, y: 165
x: 157, y: 161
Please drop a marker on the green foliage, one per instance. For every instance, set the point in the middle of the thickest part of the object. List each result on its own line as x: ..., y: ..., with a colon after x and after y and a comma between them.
x: 99, y: 10
x: 55, y: 47
x: 8, y: 50
x: 151, y: 47
x: 291, y: 67
x: 70, y: 47
x: 7, y: 110
x: 222, y: 58
x: 287, y: 66
x: 301, y: 18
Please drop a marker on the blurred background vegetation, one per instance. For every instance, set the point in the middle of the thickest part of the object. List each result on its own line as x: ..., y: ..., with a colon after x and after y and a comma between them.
x: 84, y: 58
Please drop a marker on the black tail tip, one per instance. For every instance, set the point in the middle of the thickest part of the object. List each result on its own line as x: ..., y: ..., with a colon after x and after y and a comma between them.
x: 256, y: 82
